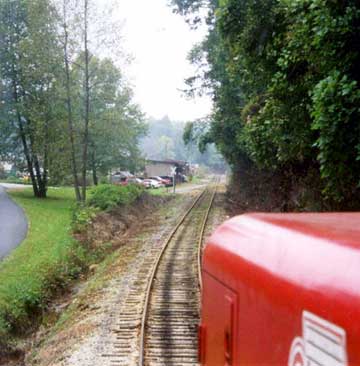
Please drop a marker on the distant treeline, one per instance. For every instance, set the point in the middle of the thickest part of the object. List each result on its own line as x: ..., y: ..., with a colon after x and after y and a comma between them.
x: 164, y: 140
x: 284, y: 76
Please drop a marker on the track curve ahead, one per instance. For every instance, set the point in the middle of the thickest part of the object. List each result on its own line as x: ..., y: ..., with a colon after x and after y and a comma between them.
x: 157, y: 322
x: 13, y: 224
x: 171, y: 313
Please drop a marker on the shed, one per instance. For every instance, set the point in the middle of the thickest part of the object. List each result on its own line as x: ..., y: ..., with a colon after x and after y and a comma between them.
x: 165, y: 167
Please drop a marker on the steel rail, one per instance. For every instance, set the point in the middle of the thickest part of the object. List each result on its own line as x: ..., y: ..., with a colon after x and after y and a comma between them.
x: 152, y: 276
x: 201, y: 238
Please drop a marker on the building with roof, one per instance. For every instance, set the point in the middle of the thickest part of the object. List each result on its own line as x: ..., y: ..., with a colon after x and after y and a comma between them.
x: 166, y: 167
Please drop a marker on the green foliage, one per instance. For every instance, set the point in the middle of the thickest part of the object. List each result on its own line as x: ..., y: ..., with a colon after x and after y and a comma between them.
x: 116, y: 122
x: 83, y: 216
x: 163, y: 140
x: 107, y: 196
x: 285, y: 77
x: 47, y: 260
x: 30, y: 69
x: 336, y: 113
x: 16, y: 180
x: 42, y: 101
x: 50, y: 257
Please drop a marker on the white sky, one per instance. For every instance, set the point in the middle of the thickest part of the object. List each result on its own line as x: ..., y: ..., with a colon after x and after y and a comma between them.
x: 160, y: 41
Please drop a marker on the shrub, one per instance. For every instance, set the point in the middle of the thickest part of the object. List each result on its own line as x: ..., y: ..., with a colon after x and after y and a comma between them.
x: 107, y: 196
x: 336, y: 113
x: 82, y: 216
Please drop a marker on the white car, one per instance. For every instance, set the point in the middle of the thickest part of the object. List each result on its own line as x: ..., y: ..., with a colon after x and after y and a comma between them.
x: 154, y: 183
x: 135, y: 181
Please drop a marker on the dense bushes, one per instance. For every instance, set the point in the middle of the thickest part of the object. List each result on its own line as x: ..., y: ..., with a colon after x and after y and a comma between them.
x: 336, y: 114
x: 285, y: 81
x: 107, y: 196
x: 103, y: 197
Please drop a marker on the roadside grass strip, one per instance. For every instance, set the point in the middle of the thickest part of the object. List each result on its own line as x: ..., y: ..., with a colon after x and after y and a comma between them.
x: 46, y: 261
x: 160, y: 191
x: 49, y: 258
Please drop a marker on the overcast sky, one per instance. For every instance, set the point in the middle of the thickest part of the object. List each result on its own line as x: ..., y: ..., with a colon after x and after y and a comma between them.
x: 159, y: 41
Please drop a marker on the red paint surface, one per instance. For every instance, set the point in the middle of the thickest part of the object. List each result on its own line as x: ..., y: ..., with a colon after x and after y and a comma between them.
x: 276, y: 266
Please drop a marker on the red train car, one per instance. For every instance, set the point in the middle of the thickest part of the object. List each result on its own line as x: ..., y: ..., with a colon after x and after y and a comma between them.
x: 282, y: 289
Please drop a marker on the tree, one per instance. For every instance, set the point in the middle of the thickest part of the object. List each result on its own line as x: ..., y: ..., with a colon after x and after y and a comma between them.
x: 66, y: 23
x: 282, y: 100
x: 88, y: 83
x: 115, y: 122
x: 166, y: 147
x: 165, y: 140
x: 64, y: 110
x: 29, y: 60
x: 86, y: 95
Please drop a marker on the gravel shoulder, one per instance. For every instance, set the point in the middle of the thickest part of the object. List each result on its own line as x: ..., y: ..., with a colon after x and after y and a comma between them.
x: 86, y: 331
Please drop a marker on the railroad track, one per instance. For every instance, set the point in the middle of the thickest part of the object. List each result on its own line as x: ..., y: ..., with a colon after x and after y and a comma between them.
x: 171, y: 312
x: 164, y: 300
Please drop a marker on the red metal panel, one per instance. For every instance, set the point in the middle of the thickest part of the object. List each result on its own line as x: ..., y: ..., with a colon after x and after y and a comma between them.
x: 296, y: 277
x: 218, y: 320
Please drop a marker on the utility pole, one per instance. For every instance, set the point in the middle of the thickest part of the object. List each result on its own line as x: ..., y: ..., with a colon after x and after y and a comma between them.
x: 173, y: 172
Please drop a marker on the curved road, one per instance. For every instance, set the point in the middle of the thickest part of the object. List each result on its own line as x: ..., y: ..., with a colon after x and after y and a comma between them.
x: 13, y: 224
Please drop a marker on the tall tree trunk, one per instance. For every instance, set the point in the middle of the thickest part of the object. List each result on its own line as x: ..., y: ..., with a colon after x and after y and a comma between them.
x: 87, y: 102
x: 26, y: 128
x: 69, y: 110
x: 28, y: 157
x: 44, y: 181
x: 22, y: 133
x: 93, y: 168
x: 36, y: 165
x: 41, y: 184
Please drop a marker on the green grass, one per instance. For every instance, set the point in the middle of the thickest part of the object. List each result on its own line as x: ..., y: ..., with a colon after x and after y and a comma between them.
x: 160, y: 191
x: 15, y: 180
x: 48, y: 259
x: 195, y: 180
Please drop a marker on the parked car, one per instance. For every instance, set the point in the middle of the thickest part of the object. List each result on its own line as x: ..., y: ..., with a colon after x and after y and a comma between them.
x: 166, y: 182
x: 169, y: 178
x: 137, y: 181
x: 153, y: 183
x: 118, y: 180
x: 145, y: 183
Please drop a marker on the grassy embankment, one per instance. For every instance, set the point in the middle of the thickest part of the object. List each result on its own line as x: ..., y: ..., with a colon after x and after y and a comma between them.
x: 47, y: 259
x: 160, y: 191
x: 50, y: 257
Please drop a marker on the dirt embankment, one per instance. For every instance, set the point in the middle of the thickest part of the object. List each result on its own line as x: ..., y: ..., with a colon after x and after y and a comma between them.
x: 109, y: 230
x: 254, y: 191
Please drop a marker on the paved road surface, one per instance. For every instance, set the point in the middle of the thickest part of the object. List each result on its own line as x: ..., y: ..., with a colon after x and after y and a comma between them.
x: 13, y: 224
x: 187, y: 188
x: 14, y: 185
